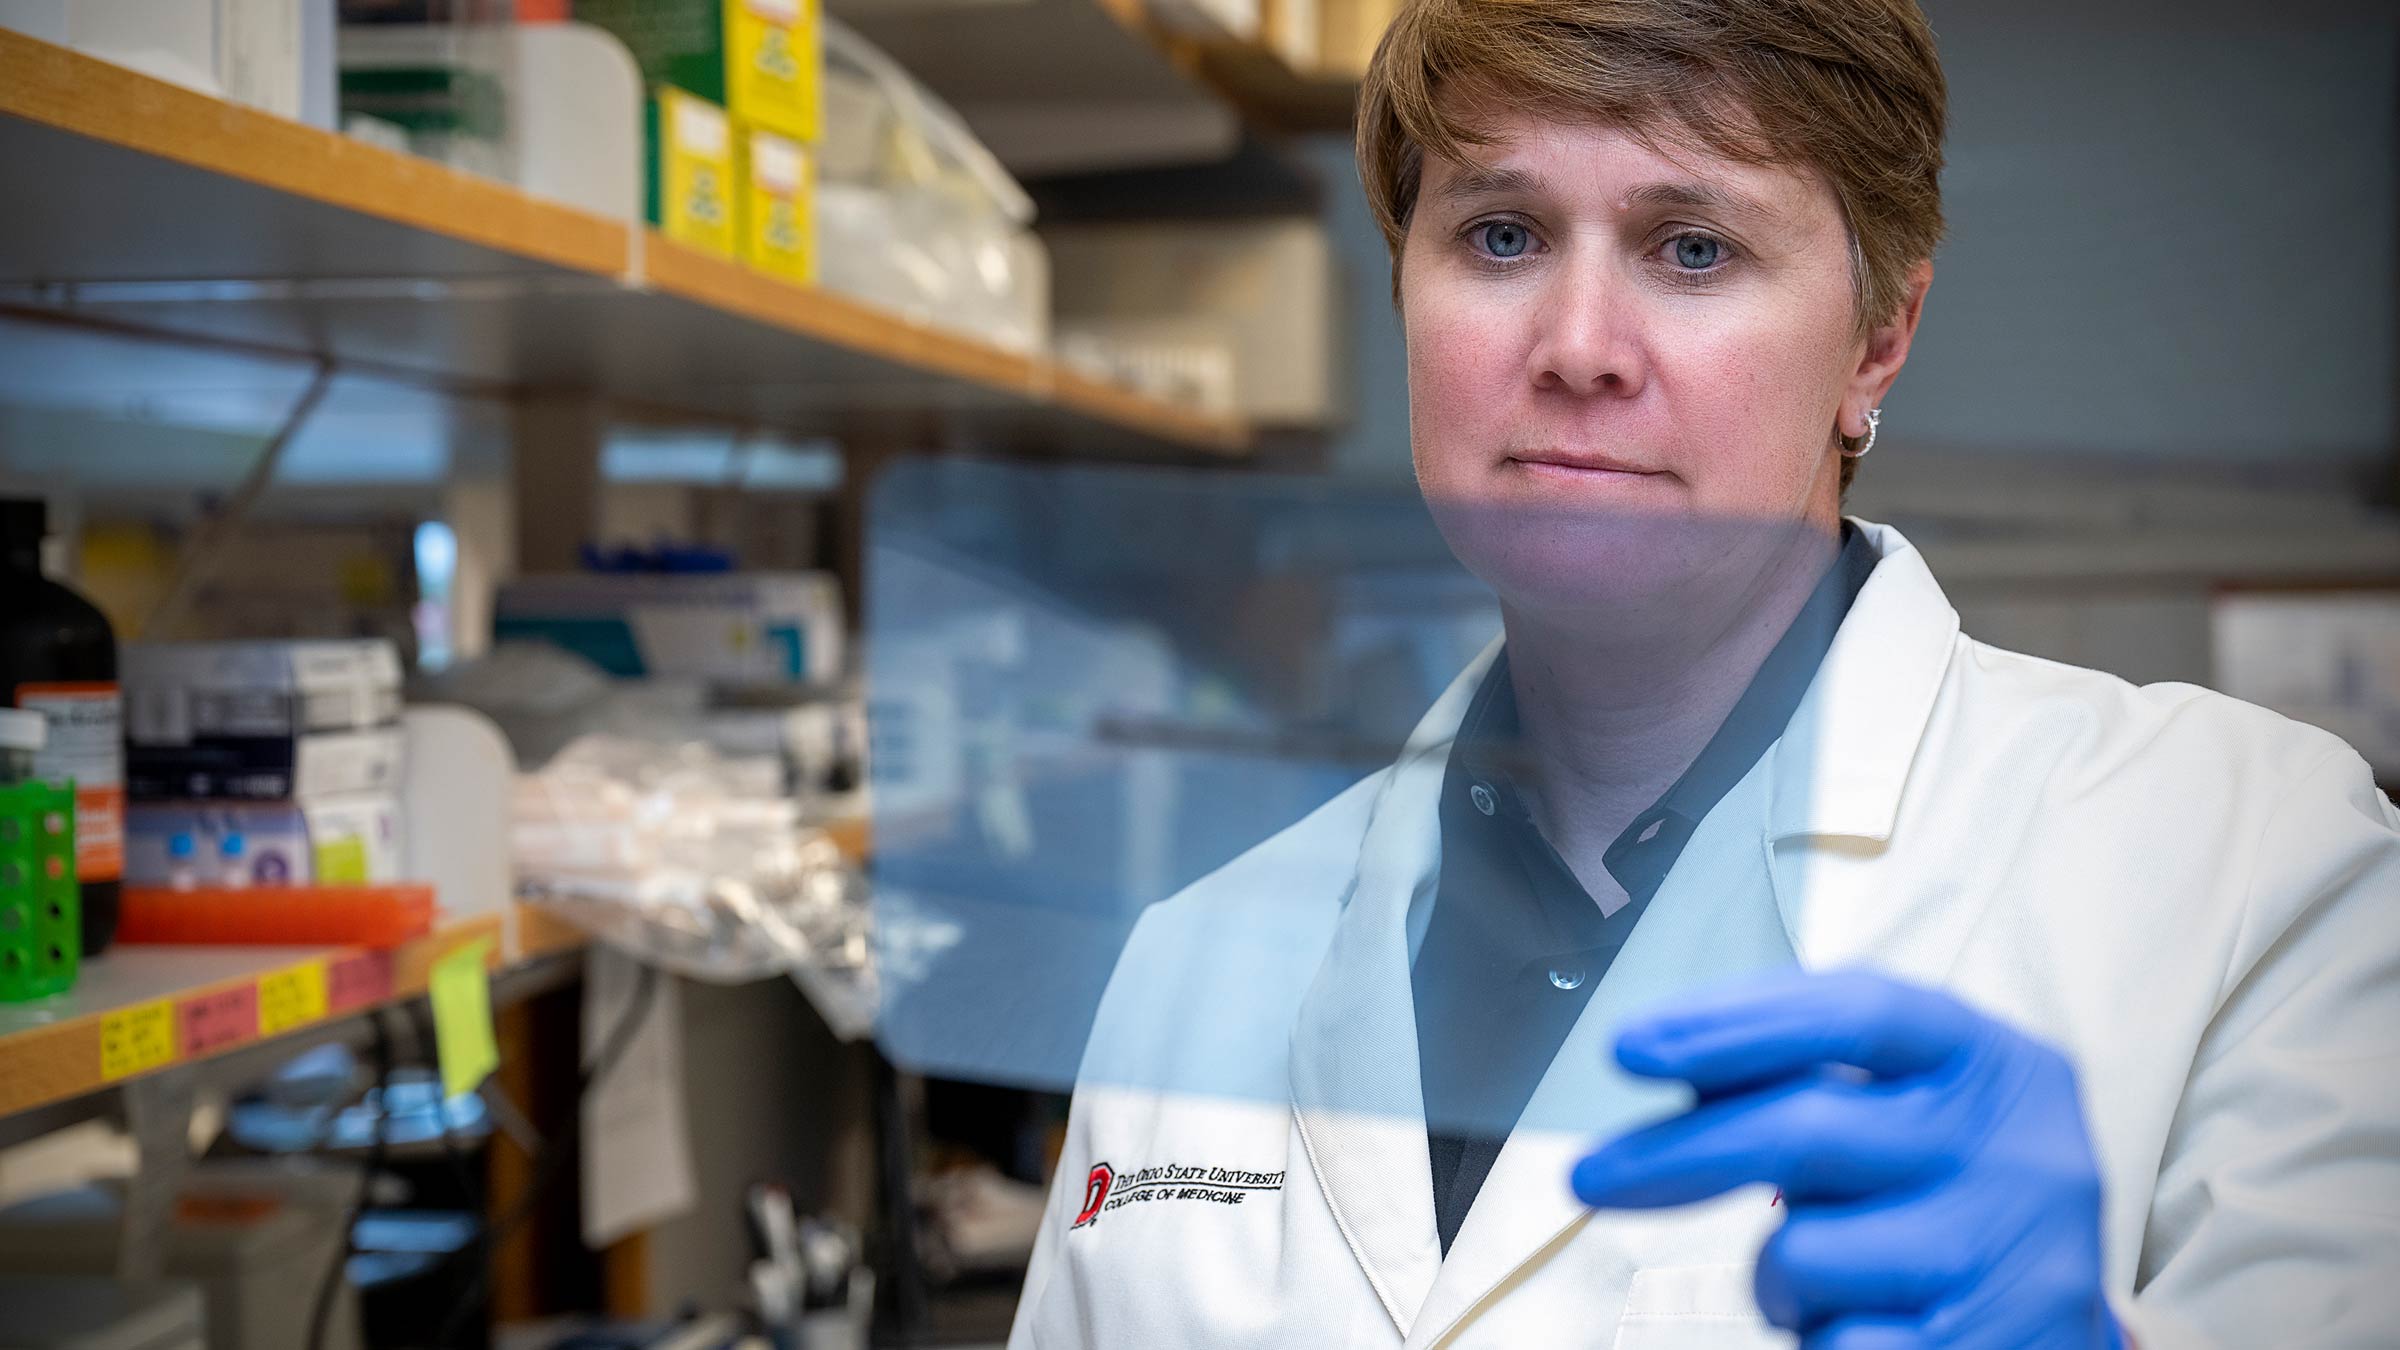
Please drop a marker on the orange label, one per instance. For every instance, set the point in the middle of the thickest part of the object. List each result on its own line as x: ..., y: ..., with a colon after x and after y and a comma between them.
x: 86, y: 747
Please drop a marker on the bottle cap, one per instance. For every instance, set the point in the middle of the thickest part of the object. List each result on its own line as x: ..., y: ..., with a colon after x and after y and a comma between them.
x: 24, y: 522
x: 23, y: 729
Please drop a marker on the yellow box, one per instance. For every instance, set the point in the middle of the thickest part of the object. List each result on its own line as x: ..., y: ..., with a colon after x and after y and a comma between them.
x: 774, y: 66
x: 762, y: 60
x: 691, y: 179
x: 777, y: 178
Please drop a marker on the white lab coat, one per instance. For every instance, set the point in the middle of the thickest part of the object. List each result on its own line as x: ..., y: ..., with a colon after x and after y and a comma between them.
x: 2196, y: 900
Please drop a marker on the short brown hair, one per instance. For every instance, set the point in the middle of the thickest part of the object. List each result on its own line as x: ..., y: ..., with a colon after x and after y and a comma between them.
x: 1850, y: 88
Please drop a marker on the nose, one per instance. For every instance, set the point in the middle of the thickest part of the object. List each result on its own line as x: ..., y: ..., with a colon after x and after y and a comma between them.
x: 1587, y: 339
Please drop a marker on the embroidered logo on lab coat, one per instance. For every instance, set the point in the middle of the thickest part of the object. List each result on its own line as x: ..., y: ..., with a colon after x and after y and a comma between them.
x: 1104, y: 1190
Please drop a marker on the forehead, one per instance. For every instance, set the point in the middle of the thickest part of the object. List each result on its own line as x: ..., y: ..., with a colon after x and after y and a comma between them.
x: 1604, y: 166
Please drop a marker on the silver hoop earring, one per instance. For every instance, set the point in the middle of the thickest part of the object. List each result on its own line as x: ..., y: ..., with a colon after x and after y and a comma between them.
x: 1874, y: 423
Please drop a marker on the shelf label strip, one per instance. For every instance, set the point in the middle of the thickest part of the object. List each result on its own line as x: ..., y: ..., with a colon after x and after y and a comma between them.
x: 207, y: 1023
x: 137, y: 1039
x: 291, y: 998
x: 358, y: 980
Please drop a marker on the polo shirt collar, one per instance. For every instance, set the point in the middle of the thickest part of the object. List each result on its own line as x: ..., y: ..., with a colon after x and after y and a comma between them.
x: 1486, y: 758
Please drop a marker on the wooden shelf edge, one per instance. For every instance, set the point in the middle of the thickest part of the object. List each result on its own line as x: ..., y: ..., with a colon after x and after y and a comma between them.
x: 86, y: 96
x: 57, y: 1061
x: 723, y: 284
x: 1262, y: 88
x: 1273, y: 95
x: 82, y: 95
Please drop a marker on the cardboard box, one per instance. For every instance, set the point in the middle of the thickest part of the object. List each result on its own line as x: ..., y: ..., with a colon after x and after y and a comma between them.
x: 726, y: 627
x: 267, y: 768
x: 761, y: 60
x: 776, y: 184
x: 690, y: 183
x: 182, y: 692
x: 352, y: 838
x: 1161, y: 294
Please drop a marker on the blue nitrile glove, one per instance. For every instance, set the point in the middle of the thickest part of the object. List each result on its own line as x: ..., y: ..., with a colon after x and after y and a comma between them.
x: 1939, y: 1185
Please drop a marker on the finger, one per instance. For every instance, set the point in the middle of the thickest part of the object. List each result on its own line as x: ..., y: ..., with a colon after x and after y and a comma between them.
x: 1791, y: 1024
x: 1867, y: 1333
x: 1830, y: 1262
x: 1819, y: 1139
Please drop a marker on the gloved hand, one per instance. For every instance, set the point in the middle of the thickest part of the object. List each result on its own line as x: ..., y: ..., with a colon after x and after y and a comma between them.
x: 1939, y: 1184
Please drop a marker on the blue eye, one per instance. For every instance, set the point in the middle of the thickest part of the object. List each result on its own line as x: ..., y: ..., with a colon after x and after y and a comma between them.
x: 1698, y: 252
x: 1505, y: 238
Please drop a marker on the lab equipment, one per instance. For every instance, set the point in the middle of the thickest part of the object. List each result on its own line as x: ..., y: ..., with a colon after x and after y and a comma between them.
x: 58, y: 657
x: 40, y: 918
x: 914, y: 214
x: 351, y: 915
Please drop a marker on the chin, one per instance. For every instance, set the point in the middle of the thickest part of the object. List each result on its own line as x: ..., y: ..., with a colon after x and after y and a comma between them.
x: 1632, y: 559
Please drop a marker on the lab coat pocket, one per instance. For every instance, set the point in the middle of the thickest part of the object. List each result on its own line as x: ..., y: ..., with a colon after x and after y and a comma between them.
x: 1695, y: 1308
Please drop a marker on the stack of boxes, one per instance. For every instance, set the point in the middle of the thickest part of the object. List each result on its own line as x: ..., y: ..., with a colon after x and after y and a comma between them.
x: 736, y: 106
x: 262, y: 763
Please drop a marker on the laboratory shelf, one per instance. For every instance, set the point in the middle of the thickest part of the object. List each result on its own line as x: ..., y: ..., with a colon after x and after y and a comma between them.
x: 1064, y: 87
x: 1272, y: 95
x: 138, y: 1009
x: 148, y: 210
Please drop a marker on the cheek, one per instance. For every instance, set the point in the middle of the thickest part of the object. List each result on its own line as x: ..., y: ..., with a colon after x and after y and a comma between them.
x: 1461, y: 360
x: 1755, y: 400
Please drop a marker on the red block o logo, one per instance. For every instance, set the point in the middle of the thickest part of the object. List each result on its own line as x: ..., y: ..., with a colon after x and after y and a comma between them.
x: 1095, y: 1193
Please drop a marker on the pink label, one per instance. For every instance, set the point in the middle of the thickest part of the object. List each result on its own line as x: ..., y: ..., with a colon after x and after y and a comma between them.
x: 357, y: 980
x: 211, y: 1022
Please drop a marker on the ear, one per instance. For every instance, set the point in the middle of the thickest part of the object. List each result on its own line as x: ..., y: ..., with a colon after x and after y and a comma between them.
x: 1885, y: 352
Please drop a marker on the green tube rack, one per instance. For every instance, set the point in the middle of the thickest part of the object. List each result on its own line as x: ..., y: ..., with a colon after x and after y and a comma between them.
x: 41, y: 912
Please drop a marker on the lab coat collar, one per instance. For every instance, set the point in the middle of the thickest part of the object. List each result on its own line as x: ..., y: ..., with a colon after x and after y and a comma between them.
x: 1845, y: 756
x: 1356, y: 1093
x: 1841, y: 771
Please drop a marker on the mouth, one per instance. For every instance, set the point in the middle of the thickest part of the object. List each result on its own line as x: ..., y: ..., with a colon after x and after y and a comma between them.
x: 1580, y: 464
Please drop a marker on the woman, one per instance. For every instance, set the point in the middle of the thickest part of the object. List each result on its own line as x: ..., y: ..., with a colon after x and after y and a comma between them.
x: 1735, y: 946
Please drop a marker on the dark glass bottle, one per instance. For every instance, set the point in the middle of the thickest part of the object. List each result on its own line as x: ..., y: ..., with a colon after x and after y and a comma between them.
x: 58, y: 656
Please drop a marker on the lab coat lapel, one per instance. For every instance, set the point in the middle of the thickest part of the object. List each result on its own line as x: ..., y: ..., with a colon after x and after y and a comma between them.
x: 1714, y: 919
x: 1355, y: 1088
x: 1840, y: 771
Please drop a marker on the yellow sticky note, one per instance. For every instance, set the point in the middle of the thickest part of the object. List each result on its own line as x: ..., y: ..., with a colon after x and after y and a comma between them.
x: 137, y: 1039
x: 291, y: 998
x: 462, y: 1018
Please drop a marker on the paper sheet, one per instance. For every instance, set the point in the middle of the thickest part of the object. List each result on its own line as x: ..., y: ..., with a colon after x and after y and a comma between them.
x: 637, y: 1153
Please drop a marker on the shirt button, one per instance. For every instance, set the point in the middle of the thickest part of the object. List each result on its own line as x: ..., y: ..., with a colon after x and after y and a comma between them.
x: 1567, y: 977
x: 1484, y: 800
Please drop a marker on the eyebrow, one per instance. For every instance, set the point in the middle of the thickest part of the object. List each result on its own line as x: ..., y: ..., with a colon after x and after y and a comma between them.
x: 1488, y: 182
x: 1496, y: 182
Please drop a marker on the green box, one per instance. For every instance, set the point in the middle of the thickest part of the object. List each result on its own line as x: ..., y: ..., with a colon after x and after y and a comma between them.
x: 761, y: 60
x: 41, y: 911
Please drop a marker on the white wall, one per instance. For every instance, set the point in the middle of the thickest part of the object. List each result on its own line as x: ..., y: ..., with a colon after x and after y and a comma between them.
x: 2173, y: 230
